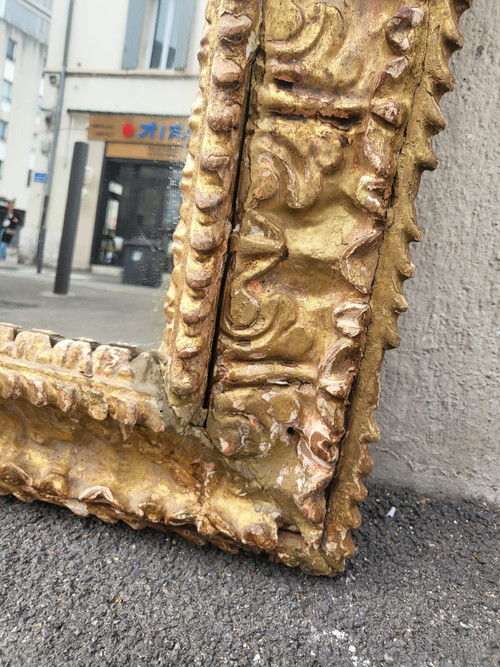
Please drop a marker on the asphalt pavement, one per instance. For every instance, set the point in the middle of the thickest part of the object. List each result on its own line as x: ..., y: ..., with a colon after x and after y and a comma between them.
x: 422, y: 590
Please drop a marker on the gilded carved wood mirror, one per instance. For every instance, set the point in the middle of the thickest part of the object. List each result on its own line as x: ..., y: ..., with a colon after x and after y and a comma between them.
x: 249, y: 427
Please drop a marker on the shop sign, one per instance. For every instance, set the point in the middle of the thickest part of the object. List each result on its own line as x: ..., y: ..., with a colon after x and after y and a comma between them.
x: 155, y: 152
x: 157, y: 130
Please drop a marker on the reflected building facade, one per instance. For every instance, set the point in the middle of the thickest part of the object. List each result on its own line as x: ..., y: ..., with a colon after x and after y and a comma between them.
x: 24, y: 37
x: 131, y: 75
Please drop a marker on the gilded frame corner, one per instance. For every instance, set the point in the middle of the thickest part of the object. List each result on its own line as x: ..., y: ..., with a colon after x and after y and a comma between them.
x: 250, y: 426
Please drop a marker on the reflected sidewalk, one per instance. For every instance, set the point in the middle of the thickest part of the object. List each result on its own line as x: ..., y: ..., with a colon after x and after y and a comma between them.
x: 97, y: 306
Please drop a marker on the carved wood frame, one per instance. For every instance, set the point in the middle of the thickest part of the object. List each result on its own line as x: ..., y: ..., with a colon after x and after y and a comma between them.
x: 250, y: 426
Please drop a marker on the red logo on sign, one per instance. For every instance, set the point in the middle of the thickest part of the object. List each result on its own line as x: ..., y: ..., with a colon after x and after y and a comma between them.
x: 128, y: 130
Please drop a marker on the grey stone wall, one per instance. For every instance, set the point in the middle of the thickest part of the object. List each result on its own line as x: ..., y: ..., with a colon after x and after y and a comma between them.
x: 439, y: 410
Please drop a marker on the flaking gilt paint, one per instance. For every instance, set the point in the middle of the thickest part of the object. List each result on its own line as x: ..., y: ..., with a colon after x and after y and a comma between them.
x: 250, y: 427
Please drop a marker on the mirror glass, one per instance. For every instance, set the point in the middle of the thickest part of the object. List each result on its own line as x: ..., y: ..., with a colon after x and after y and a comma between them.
x: 116, y: 80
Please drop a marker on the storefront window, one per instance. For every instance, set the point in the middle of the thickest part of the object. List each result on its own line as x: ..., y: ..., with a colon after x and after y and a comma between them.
x: 139, y: 204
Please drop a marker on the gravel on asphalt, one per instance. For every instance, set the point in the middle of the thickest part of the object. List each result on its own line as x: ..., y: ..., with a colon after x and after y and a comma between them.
x: 423, y: 590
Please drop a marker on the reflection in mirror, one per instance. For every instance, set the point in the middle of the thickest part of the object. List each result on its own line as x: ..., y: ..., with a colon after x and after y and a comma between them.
x: 127, y: 93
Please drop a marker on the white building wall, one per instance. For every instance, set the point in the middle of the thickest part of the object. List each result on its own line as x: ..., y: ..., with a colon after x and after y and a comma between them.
x: 21, y: 114
x: 155, y: 95
x: 96, y: 82
x: 98, y: 34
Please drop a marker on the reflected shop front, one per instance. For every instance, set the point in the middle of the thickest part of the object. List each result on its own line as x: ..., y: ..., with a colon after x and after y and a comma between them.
x: 120, y: 76
x: 139, y: 194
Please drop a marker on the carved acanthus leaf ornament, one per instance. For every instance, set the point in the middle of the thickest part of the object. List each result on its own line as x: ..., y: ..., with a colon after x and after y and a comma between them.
x: 250, y: 427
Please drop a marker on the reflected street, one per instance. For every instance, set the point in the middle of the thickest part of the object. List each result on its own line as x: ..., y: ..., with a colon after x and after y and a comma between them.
x: 99, y: 307
x: 119, y: 100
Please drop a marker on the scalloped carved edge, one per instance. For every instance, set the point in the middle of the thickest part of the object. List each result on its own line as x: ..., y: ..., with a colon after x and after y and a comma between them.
x: 79, y: 375
x: 395, y: 266
x: 217, y: 125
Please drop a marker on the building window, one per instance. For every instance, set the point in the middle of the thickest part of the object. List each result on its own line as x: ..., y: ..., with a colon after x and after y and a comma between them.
x: 27, y: 16
x: 11, y: 50
x: 7, y: 91
x: 3, y: 129
x: 159, y: 37
x: 46, y: 4
x: 162, y: 52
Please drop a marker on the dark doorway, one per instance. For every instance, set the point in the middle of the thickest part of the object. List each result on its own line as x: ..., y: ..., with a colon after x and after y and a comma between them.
x: 138, y: 201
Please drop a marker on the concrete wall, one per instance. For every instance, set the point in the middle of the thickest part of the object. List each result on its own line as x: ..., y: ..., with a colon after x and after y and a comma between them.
x: 439, y: 411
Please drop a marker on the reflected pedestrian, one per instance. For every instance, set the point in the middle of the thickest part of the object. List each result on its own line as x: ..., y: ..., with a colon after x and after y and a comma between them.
x: 10, y: 222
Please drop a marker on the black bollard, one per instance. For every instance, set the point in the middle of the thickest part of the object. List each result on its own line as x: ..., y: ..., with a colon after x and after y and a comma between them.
x: 76, y: 179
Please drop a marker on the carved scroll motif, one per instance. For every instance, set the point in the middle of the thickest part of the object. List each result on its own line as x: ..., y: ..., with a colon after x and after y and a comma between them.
x: 325, y: 132
x: 343, y: 103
